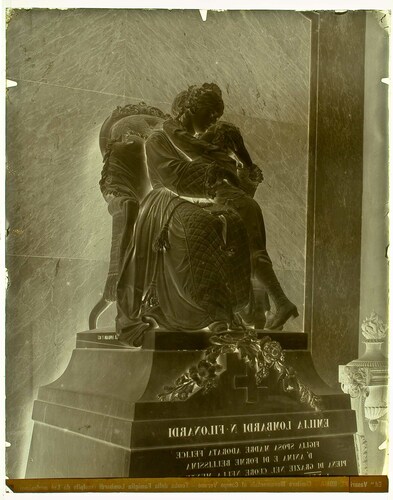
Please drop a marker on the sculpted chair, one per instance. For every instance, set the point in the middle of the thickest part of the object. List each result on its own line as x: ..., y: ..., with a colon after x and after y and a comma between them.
x: 124, y: 183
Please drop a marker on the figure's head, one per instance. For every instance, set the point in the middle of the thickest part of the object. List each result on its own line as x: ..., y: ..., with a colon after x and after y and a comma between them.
x: 229, y: 139
x: 198, y: 107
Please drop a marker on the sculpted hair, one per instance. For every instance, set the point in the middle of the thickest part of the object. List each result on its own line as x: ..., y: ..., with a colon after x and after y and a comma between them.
x: 227, y: 136
x: 207, y: 96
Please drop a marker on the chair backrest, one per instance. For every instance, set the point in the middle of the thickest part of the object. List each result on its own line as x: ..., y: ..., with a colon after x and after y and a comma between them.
x: 137, y: 119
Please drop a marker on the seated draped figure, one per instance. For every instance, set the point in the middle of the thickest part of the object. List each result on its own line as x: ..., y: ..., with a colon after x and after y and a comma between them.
x: 222, y: 143
x: 124, y: 182
x: 188, y: 266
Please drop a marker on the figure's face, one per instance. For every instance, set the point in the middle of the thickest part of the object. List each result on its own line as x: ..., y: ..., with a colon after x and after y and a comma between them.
x: 202, y: 119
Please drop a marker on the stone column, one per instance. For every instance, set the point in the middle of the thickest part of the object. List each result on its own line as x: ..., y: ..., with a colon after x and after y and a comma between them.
x: 337, y: 187
x: 374, y: 263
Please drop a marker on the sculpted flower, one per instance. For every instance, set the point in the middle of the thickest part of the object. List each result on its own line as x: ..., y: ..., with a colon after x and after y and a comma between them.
x: 193, y: 372
x: 272, y: 351
x: 290, y: 383
x: 356, y: 382
x: 181, y: 380
x: 261, y: 374
x: 204, y: 371
x: 207, y: 369
x: 373, y: 328
x: 356, y: 376
x: 203, y: 368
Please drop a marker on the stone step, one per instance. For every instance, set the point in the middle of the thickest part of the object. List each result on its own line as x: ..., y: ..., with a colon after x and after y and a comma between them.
x: 106, y: 338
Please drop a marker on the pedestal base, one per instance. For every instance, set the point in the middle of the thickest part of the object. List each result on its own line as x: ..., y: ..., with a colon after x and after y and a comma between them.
x: 102, y: 417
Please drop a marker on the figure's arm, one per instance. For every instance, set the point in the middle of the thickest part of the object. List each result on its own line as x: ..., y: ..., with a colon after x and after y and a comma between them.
x: 184, y: 177
x: 190, y: 145
x: 194, y: 178
x: 195, y: 147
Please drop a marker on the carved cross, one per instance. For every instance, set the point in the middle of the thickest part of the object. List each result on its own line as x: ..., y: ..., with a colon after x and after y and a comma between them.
x: 249, y: 383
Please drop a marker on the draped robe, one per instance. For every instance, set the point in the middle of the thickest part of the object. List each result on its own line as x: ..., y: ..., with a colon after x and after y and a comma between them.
x: 187, y: 266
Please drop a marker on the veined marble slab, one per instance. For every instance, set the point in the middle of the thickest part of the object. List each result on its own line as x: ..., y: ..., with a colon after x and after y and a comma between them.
x: 48, y: 301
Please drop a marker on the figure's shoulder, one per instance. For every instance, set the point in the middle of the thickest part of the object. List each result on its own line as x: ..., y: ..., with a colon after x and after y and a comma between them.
x: 156, y: 134
x: 167, y: 126
x: 134, y: 143
x: 158, y: 137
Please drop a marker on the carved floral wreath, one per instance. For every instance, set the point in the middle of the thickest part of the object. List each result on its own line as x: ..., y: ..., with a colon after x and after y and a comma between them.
x: 262, y: 355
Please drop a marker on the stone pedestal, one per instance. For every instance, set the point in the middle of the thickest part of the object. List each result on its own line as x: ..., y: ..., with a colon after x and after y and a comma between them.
x: 366, y: 380
x: 102, y: 417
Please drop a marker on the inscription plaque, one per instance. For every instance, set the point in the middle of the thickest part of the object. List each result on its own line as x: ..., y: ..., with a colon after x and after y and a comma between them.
x: 302, y: 443
x: 290, y: 457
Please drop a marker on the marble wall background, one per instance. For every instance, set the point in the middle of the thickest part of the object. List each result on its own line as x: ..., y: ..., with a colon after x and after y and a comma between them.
x: 73, y: 68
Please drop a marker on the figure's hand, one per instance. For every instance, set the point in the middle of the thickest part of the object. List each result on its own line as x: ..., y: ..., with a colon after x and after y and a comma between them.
x: 216, y: 176
x: 109, y: 197
x: 256, y: 173
x: 226, y: 174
